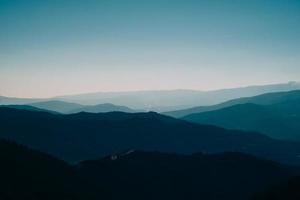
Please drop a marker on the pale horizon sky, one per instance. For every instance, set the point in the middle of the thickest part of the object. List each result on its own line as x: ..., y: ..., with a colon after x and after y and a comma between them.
x: 52, y: 48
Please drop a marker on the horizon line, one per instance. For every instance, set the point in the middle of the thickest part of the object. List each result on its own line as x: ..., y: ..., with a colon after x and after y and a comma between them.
x: 153, y: 90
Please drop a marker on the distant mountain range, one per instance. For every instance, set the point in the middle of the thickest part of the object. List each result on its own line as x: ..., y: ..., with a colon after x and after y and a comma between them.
x: 18, y: 101
x: 67, y: 108
x: 276, y: 117
x: 87, y: 136
x: 88, y: 152
x: 31, y: 175
x: 26, y: 107
x: 57, y: 106
x: 103, y: 108
x: 264, y: 99
x: 162, y: 101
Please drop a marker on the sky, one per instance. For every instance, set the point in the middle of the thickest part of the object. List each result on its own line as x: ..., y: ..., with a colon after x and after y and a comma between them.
x: 58, y: 47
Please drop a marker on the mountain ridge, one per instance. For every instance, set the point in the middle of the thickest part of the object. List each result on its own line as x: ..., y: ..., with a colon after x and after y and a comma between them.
x: 280, y: 120
x: 32, y: 175
x: 264, y: 99
x: 84, y: 136
x: 163, y: 101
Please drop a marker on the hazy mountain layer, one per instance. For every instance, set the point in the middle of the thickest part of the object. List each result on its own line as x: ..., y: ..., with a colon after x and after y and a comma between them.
x: 264, y: 99
x: 67, y: 108
x: 102, y: 108
x: 170, y: 100
x: 162, y: 101
x: 26, y: 107
x: 280, y: 120
x: 17, y: 101
x: 57, y: 106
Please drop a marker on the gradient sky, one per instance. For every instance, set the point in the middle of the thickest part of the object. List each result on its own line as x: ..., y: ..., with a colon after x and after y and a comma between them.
x: 50, y: 48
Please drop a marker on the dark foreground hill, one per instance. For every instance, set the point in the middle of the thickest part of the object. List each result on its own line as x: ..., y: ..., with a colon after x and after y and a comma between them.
x: 281, y: 120
x: 287, y: 190
x: 88, y: 136
x: 149, y: 176
x: 31, y: 175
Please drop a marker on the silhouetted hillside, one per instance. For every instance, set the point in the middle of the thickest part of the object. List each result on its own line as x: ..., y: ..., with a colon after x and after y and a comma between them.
x: 86, y: 136
x: 287, y: 190
x: 279, y: 120
x: 31, y: 175
x: 264, y: 99
x: 141, y: 175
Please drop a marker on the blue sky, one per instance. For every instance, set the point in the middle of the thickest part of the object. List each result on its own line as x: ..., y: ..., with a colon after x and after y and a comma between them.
x: 50, y: 48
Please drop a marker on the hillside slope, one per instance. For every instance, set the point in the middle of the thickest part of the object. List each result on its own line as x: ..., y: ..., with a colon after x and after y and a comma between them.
x: 279, y: 120
x: 30, y: 175
x: 86, y: 135
x: 264, y: 99
x: 152, y: 175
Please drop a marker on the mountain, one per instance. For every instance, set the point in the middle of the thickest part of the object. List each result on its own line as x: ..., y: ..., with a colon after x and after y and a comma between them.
x: 67, y: 108
x: 264, y: 99
x: 164, y: 100
x: 280, y: 120
x: 152, y: 175
x: 17, y: 101
x: 31, y: 175
x: 167, y: 100
x: 287, y: 190
x: 102, y: 108
x: 84, y: 136
x: 57, y: 106
x: 26, y: 107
